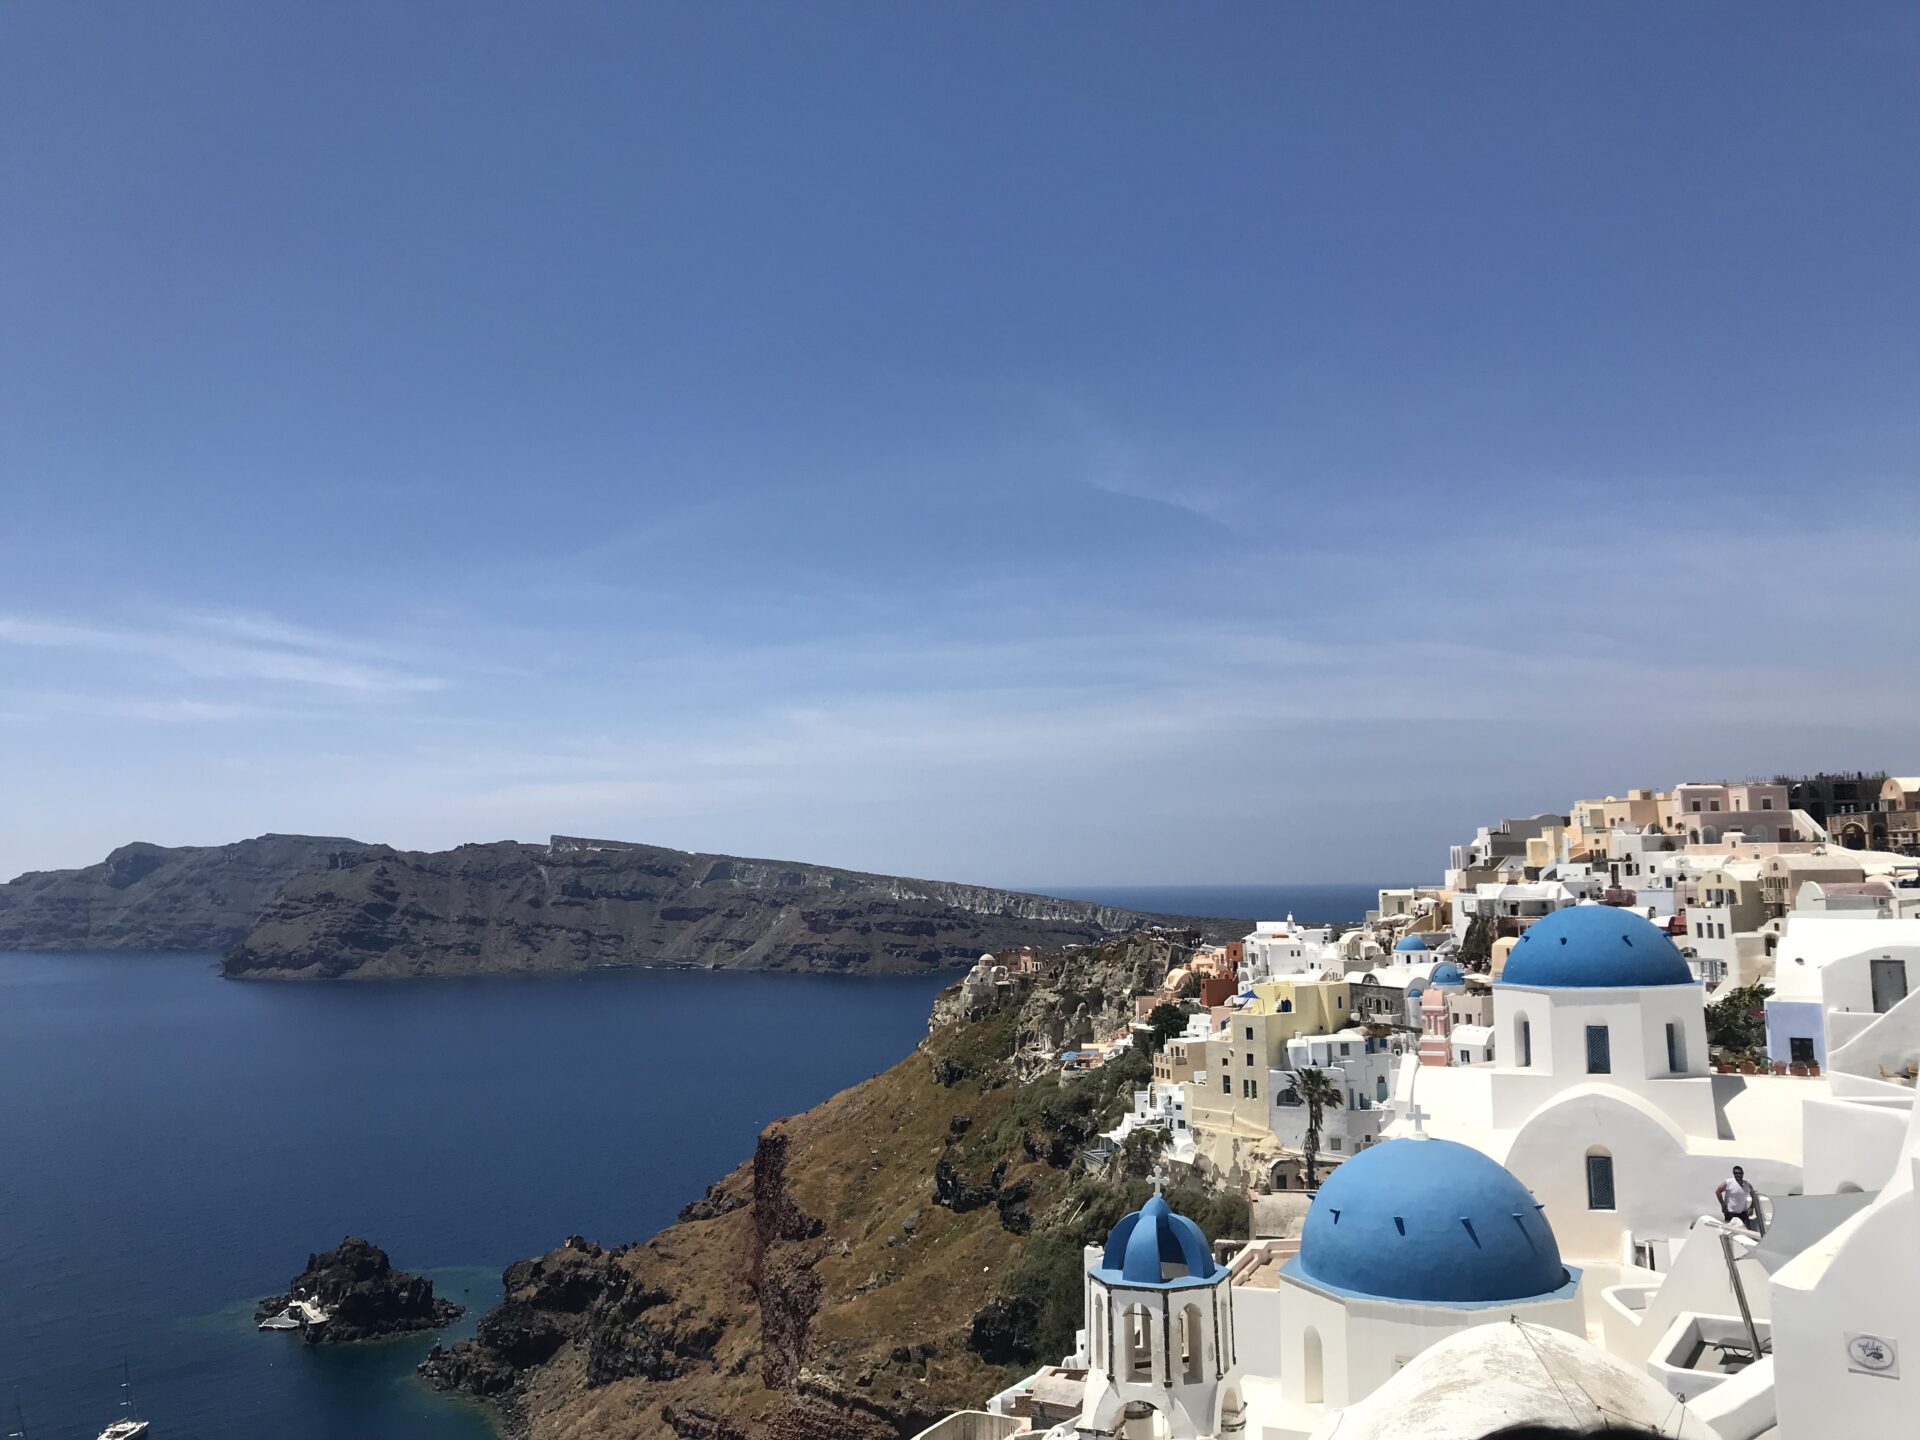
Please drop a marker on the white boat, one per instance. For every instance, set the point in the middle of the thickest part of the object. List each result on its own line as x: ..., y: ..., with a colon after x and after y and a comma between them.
x: 131, y: 1426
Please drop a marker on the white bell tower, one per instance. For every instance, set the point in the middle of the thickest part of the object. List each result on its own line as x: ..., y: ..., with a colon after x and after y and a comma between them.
x: 1159, y: 1333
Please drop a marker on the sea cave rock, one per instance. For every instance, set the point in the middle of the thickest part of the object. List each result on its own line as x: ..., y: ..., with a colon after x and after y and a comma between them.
x: 353, y: 1293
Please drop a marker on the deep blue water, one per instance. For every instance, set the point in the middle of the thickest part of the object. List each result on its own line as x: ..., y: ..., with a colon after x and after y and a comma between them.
x: 172, y: 1145
x: 1309, y: 904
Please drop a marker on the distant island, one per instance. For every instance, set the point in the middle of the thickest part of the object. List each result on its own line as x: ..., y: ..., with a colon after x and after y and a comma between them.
x: 307, y: 907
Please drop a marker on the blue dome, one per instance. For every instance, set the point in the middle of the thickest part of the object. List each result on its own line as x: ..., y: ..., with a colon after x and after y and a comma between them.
x: 1428, y: 1221
x: 1598, y: 947
x: 1446, y: 973
x: 1410, y: 942
x: 1152, y: 1236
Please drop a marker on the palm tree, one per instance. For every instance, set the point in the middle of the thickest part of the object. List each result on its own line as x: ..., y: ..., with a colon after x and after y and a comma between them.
x: 1318, y: 1090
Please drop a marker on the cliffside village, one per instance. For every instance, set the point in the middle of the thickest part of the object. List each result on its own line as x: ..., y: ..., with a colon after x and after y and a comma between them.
x: 1615, y: 1124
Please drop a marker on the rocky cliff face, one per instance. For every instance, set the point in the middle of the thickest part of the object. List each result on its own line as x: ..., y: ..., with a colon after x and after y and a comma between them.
x: 578, y: 905
x: 150, y: 897
x: 892, y: 1255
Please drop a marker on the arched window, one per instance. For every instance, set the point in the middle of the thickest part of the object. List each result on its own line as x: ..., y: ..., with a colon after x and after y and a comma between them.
x: 1676, y: 1049
x: 1599, y: 1051
x: 1230, y: 1404
x: 1286, y: 1006
x: 1522, y: 1041
x: 1314, y: 1384
x: 1599, y: 1180
x: 1193, y: 1345
x: 1100, y: 1356
x: 1380, y: 1088
x: 1137, y: 1324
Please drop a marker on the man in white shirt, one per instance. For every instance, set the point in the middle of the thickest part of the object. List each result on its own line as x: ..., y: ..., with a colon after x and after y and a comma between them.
x: 1738, y: 1200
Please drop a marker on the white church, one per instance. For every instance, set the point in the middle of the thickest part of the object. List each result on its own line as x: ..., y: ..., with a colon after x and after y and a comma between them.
x: 1538, y: 1241
x: 1407, y: 1245
x: 1600, y: 1098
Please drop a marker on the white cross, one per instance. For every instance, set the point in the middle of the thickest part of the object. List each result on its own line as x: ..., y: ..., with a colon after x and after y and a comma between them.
x: 1418, y: 1117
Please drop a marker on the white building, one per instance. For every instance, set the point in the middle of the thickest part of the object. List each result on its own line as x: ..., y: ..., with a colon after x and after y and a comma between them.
x: 1834, y: 976
x: 1405, y: 1246
x: 1278, y: 949
x: 1523, y: 902
x: 1600, y: 1098
x: 1361, y: 1065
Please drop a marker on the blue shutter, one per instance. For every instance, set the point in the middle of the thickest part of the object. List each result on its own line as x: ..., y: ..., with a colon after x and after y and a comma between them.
x: 1599, y: 1051
x: 1599, y: 1182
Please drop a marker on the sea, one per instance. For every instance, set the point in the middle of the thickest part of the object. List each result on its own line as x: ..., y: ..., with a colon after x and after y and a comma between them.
x: 1309, y: 904
x: 173, y: 1145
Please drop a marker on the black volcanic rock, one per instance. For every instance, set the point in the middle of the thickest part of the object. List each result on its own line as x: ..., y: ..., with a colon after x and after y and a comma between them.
x: 575, y: 905
x: 150, y: 897
x: 363, y: 1295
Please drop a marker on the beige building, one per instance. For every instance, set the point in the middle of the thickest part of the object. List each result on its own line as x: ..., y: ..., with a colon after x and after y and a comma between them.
x: 1178, y: 1060
x: 1900, y: 806
x: 1227, y: 1101
x: 1781, y: 876
x: 1592, y: 821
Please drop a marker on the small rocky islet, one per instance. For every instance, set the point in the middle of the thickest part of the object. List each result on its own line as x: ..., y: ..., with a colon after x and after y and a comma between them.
x: 353, y: 1293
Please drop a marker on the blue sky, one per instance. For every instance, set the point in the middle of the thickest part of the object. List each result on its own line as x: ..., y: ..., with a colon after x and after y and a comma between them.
x: 1035, y: 444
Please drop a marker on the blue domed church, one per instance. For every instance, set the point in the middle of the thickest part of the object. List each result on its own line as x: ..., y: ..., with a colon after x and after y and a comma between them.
x: 1407, y: 1243
x: 1600, y: 1083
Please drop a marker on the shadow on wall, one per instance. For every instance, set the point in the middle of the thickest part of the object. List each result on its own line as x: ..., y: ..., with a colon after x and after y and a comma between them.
x: 1559, y: 1432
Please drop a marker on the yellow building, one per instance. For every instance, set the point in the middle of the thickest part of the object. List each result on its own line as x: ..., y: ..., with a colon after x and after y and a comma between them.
x: 1593, y: 820
x: 1228, y: 1104
x: 1544, y: 849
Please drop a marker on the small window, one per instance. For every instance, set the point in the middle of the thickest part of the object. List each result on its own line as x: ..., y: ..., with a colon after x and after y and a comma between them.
x: 1599, y: 1051
x: 1800, y: 1049
x: 1676, y: 1050
x: 1253, y: 1089
x: 1599, y: 1182
x: 1226, y: 1085
x: 1463, y: 1058
x: 1334, y: 1142
x: 1249, y: 1032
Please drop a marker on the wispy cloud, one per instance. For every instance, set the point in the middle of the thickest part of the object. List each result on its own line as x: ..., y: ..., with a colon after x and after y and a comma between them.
x: 231, y: 647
